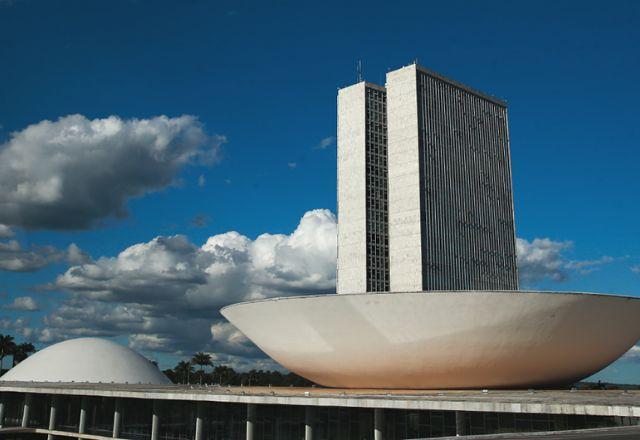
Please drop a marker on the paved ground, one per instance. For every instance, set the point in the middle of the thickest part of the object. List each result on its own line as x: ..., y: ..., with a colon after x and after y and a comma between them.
x: 584, y: 397
x: 621, y: 433
x: 595, y: 397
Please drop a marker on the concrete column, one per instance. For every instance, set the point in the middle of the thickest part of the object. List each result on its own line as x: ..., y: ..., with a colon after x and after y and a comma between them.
x: 461, y: 425
x: 82, y: 423
x: 1, y: 414
x: 53, y: 408
x: 155, y: 421
x: 199, y: 421
x: 378, y: 424
x: 25, y: 411
x: 251, y: 418
x: 117, y: 418
x: 308, y: 423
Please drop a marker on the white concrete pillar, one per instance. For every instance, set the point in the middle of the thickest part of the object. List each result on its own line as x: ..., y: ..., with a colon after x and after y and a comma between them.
x: 53, y: 408
x: 378, y: 424
x: 25, y: 411
x: 461, y: 425
x: 199, y: 421
x: 155, y: 421
x: 251, y: 419
x: 1, y: 414
x: 117, y: 418
x: 308, y: 423
x: 82, y: 423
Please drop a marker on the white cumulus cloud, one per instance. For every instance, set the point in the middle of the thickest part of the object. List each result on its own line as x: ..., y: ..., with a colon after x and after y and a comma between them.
x: 23, y: 304
x: 15, y: 258
x: 73, y: 172
x: 633, y: 354
x: 165, y: 294
x: 543, y: 258
x: 5, y: 231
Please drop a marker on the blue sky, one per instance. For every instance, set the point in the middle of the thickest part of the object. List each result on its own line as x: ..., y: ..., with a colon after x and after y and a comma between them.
x: 261, y: 79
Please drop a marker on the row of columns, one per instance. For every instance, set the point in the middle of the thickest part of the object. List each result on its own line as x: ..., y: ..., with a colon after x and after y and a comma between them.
x: 53, y: 409
x: 251, y: 420
x: 378, y: 419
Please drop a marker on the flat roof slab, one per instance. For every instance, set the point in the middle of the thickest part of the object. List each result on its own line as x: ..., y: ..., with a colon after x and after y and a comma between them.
x: 616, y: 433
x: 622, y: 403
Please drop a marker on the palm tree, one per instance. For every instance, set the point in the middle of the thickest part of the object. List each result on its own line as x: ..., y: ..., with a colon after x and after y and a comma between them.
x: 201, y: 359
x: 223, y: 373
x: 7, y: 347
x: 183, y: 370
x: 22, y: 351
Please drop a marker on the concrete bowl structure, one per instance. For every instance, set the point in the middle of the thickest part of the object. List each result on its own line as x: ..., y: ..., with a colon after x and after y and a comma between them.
x: 92, y: 360
x: 444, y: 339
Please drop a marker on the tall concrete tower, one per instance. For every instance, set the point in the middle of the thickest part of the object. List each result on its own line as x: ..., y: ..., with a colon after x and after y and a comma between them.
x: 451, y: 223
x: 424, y: 187
x: 363, y: 237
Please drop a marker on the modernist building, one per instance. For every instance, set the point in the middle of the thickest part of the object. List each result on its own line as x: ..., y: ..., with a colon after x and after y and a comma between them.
x: 424, y: 204
x: 427, y: 271
x: 173, y: 412
x: 424, y: 187
x: 97, y: 390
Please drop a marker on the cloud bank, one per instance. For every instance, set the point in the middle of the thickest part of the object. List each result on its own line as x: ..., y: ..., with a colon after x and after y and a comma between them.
x: 15, y: 258
x: 165, y: 294
x: 633, y: 354
x: 73, y: 172
x: 23, y: 304
x: 5, y: 231
x: 544, y: 259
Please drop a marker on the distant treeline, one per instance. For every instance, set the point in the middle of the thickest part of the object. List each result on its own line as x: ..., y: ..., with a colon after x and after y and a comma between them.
x: 185, y: 372
x: 19, y: 352
x: 606, y: 386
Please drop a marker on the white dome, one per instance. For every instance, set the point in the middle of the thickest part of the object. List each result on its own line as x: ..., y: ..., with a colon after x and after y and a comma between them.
x: 86, y: 360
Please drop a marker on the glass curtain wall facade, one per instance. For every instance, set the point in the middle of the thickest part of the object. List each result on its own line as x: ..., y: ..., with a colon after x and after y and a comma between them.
x: 425, y: 198
x: 469, y: 234
x: 376, y: 194
x: 451, y: 224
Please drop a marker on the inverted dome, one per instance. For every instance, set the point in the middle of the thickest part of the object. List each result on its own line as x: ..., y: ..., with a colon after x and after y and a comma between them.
x: 443, y: 339
x: 86, y: 360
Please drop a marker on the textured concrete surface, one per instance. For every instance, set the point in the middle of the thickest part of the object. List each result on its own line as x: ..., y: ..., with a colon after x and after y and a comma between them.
x: 617, y: 433
x: 352, y: 231
x: 405, y: 232
x: 599, y: 403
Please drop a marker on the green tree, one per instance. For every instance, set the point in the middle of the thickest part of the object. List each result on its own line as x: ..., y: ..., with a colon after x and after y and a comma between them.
x: 202, y: 359
x: 22, y: 351
x: 7, y: 347
x: 226, y: 375
x: 183, y: 371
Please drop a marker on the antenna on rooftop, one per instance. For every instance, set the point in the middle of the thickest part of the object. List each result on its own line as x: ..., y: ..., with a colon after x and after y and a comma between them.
x: 359, y: 71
